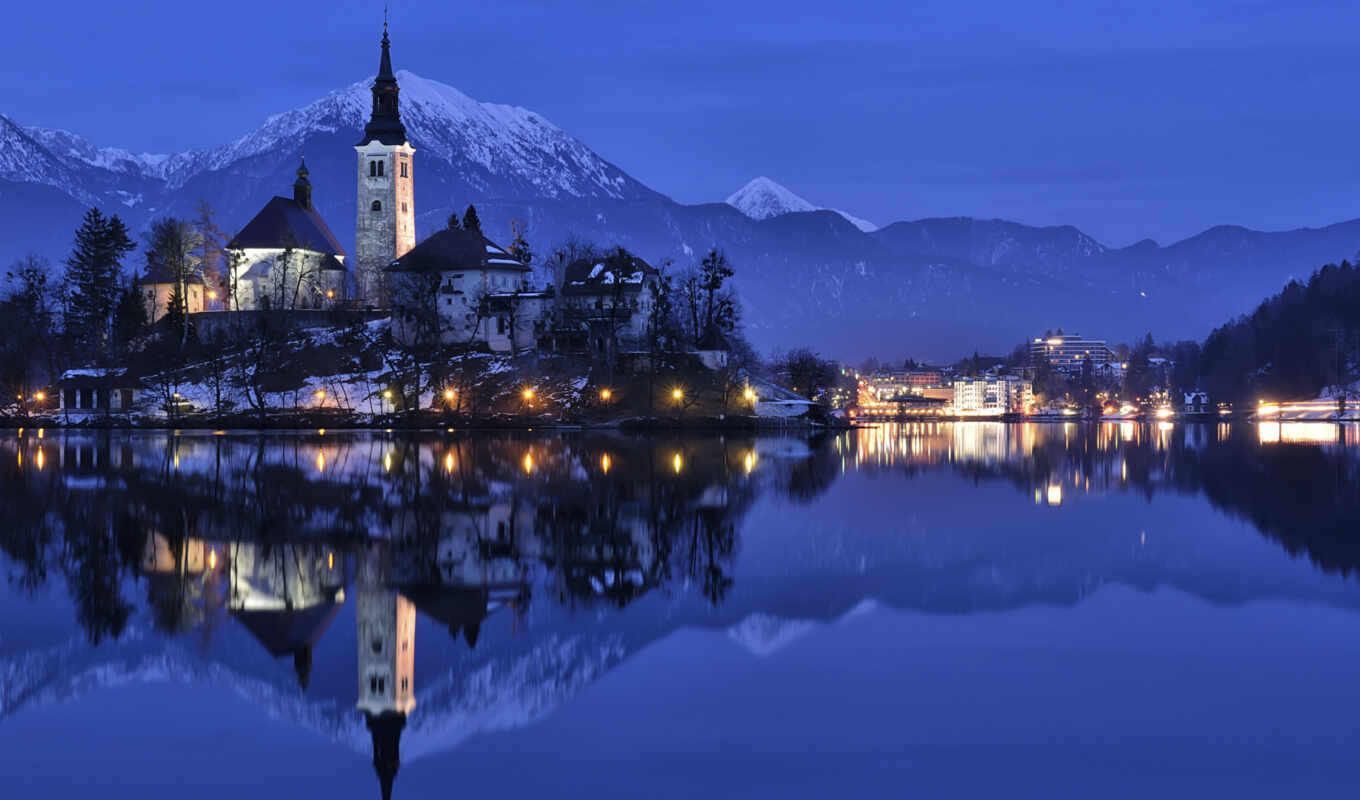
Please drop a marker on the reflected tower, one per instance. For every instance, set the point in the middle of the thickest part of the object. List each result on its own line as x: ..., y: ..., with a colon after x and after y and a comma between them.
x: 385, y: 624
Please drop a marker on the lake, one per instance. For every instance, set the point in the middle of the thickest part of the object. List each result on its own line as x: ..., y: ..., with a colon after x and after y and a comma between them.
x: 929, y: 609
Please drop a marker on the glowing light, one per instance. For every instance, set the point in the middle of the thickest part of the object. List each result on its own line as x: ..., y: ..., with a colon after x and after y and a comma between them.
x: 387, y: 462
x: 448, y: 395
x: 528, y: 463
x: 1165, y: 413
x: 320, y: 431
x: 212, y: 559
x: 40, y: 396
x: 528, y: 394
x: 1055, y: 494
x: 40, y: 432
x: 212, y: 295
x: 40, y: 460
x: 677, y: 394
x: 176, y: 460
x: 605, y: 463
x: 320, y: 395
x: 750, y: 462
x: 387, y: 394
x: 320, y: 462
x: 448, y: 462
x: 330, y: 294
x: 749, y: 394
x: 677, y: 463
x: 330, y: 561
x: 1054, y: 342
x: 605, y: 394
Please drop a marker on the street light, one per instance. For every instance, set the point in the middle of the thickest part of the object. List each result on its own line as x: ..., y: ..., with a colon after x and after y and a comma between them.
x: 677, y: 394
x: 320, y: 396
x: 605, y: 394
x: 448, y: 395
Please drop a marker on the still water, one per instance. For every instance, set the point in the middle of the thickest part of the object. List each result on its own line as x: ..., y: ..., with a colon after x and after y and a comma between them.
x: 933, y: 610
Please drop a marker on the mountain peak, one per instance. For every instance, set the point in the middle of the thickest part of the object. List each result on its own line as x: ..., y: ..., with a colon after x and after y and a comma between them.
x: 762, y: 198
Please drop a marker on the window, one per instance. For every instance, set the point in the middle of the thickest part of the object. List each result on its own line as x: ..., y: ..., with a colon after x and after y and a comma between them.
x: 377, y: 645
x: 377, y: 205
x: 404, y: 173
x: 375, y: 169
x: 403, y: 208
x: 405, y: 682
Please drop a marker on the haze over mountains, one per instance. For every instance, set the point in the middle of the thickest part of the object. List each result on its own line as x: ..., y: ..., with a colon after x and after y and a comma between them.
x: 933, y: 288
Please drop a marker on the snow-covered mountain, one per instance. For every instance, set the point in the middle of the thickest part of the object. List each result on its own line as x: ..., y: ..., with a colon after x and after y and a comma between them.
x: 762, y: 198
x: 946, y: 285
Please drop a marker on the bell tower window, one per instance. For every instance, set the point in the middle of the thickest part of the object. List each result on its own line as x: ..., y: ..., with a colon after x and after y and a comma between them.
x: 375, y: 169
x: 377, y: 205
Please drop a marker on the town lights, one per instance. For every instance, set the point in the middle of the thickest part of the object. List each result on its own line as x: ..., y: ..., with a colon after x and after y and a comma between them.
x: 1165, y: 413
x: 40, y: 396
x: 677, y: 394
x: 448, y: 395
x: 605, y: 394
x: 330, y: 294
x: 528, y: 394
x: 387, y: 394
x: 749, y: 394
x: 605, y: 463
x: 212, y: 295
x: 320, y: 395
x: 677, y: 463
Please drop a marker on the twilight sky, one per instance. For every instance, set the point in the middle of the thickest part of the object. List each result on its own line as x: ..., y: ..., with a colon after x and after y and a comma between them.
x: 1155, y: 118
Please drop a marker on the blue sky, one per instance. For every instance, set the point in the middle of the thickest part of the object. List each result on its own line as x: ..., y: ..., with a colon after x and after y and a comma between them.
x: 1130, y: 120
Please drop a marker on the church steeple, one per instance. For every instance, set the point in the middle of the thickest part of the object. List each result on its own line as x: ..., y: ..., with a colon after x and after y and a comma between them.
x: 385, y: 122
x: 385, y: 729
x: 302, y: 187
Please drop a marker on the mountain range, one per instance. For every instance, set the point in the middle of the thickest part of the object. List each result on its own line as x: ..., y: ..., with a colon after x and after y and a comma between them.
x: 930, y: 288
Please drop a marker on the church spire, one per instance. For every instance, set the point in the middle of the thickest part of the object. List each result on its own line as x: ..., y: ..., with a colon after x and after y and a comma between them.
x: 386, y: 731
x: 385, y: 122
x: 302, y: 187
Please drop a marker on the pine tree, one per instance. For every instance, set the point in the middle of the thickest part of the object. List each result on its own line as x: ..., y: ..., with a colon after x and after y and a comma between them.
x: 453, y: 223
x: 471, y: 221
x: 519, y: 246
x: 129, y: 318
x: 91, y: 281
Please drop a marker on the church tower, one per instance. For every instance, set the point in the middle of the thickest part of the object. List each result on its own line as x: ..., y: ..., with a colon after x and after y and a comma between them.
x: 385, y: 228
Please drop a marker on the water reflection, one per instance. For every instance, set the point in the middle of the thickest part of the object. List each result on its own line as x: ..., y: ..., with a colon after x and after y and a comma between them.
x: 278, y: 537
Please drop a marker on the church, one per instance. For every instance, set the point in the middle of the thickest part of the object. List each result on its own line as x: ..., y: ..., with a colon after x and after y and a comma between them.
x: 455, y: 287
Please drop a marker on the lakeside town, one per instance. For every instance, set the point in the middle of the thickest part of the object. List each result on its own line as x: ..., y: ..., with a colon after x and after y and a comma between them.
x: 276, y: 325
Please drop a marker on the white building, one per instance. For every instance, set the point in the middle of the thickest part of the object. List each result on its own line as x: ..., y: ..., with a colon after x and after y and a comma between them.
x: 464, y: 288
x: 286, y: 257
x: 992, y: 396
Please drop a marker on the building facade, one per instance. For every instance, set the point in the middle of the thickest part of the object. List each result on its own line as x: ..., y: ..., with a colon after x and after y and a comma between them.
x: 992, y: 396
x: 463, y: 288
x: 1068, y: 352
x: 385, y: 227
